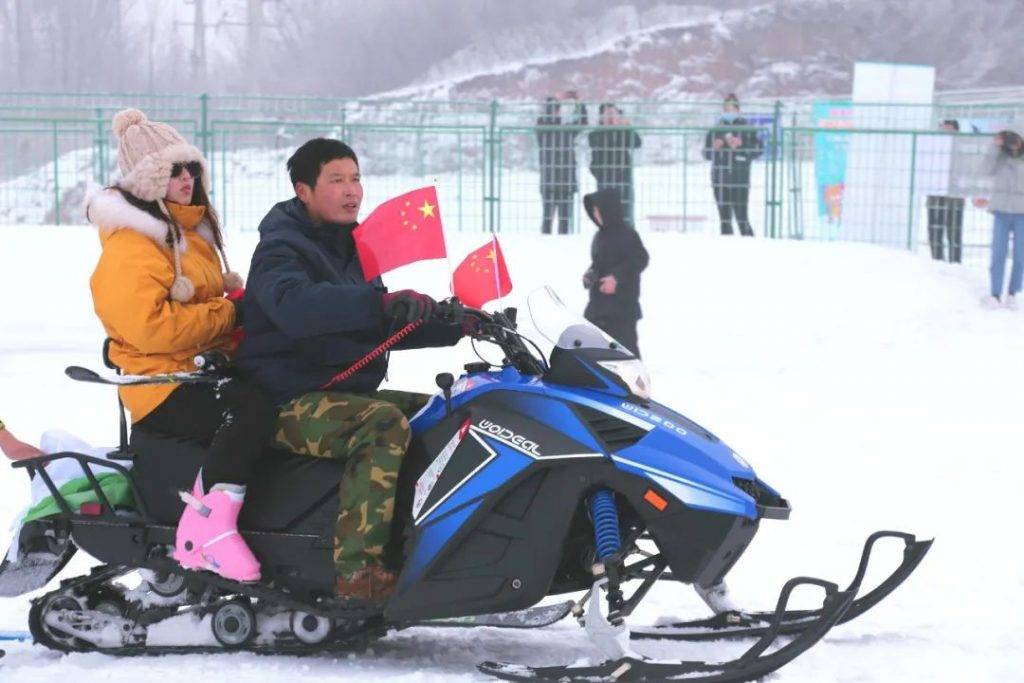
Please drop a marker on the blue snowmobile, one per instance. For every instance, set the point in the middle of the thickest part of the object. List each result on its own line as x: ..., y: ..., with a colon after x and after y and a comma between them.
x: 541, y: 475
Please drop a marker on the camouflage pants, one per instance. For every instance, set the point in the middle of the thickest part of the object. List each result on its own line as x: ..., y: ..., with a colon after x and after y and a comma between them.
x: 370, y: 433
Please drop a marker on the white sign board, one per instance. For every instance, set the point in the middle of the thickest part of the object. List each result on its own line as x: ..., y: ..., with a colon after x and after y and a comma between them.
x: 878, y: 200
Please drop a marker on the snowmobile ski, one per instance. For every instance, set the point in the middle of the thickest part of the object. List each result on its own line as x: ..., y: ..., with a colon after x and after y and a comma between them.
x: 734, y: 625
x: 533, y: 617
x: 751, y: 665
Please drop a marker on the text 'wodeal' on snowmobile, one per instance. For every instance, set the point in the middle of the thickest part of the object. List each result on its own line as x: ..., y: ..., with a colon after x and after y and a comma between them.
x: 537, y: 477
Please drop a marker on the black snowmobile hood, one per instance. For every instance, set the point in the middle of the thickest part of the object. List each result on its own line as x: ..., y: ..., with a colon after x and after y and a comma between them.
x: 610, y: 204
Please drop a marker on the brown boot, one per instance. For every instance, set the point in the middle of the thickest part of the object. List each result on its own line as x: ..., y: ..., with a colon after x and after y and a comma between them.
x: 371, y: 584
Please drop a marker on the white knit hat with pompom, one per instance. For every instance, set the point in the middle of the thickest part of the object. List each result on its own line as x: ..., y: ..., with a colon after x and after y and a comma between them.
x: 147, y: 151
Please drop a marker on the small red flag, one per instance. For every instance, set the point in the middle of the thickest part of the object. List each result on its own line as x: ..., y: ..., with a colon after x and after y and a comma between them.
x: 482, y: 276
x: 402, y: 230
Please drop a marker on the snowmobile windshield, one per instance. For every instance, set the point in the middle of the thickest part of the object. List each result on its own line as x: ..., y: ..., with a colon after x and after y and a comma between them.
x: 562, y: 328
x: 566, y: 330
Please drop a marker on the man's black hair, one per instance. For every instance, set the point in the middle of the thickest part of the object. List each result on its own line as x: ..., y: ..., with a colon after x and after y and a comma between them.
x: 952, y: 123
x: 304, y: 166
x: 605, y: 106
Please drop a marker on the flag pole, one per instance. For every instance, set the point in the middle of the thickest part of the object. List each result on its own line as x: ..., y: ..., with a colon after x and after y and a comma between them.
x: 497, y: 275
x: 444, y: 238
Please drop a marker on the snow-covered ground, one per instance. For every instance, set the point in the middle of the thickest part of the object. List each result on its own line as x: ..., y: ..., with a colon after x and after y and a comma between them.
x: 866, y: 384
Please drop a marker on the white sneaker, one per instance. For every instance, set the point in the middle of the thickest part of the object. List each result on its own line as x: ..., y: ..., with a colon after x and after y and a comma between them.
x: 1011, y: 302
x: 990, y: 303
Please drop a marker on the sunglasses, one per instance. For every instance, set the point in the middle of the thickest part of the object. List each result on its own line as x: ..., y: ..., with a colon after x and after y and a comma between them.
x: 195, y: 169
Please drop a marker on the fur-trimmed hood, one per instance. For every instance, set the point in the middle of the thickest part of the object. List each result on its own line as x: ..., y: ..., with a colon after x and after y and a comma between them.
x: 107, y: 210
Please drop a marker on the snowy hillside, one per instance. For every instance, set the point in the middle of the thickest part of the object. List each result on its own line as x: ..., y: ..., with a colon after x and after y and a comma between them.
x: 759, y: 49
x: 866, y: 384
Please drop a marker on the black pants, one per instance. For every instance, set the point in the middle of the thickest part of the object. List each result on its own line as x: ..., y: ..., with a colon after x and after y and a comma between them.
x: 234, y: 417
x: 946, y: 216
x: 622, y: 330
x: 732, y: 200
x: 557, y: 200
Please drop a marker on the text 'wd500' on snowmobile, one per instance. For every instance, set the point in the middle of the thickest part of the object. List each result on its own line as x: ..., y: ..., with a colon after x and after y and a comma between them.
x: 535, y: 478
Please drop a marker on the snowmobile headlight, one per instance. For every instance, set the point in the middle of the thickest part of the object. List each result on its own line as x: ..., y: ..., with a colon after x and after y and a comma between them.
x: 633, y: 373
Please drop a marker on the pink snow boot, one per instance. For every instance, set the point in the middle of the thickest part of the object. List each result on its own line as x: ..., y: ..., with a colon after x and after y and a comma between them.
x: 208, y: 535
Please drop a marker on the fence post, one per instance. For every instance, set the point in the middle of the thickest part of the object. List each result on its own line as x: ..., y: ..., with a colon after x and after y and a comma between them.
x: 492, y: 147
x: 796, y: 219
x: 776, y: 195
x: 686, y: 163
x: 204, y: 131
x: 56, y: 176
x: 910, y: 199
x: 100, y: 165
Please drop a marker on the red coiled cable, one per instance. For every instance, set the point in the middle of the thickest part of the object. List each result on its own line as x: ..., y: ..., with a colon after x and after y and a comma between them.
x: 373, y: 355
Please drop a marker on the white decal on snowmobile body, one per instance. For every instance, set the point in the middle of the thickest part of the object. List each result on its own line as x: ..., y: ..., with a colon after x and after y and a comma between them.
x: 654, y: 417
x: 509, y: 437
x: 491, y: 455
x: 425, y: 484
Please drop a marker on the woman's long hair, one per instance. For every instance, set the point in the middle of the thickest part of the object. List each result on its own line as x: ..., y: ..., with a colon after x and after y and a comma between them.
x: 199, y: 198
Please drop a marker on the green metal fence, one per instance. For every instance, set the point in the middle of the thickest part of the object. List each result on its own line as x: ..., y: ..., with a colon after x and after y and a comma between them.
x: 827, y: 170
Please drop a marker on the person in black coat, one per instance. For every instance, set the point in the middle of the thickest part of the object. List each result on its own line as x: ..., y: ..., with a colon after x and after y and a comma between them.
x: 731, y: 152
x: 556, y: 145
x: 617, y: 257
x: 309, y: 314
x: 611, y: 158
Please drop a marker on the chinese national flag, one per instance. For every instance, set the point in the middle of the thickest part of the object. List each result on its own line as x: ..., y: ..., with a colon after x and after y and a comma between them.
x: 482, y: 276
x: 402, y: 230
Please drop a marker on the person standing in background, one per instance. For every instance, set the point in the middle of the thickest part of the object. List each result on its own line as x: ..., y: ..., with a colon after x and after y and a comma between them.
x: 1004, y: 162
x: 556, y: 144
x: 731, y: 149
x: 945, y: 212
x: 611, y: 160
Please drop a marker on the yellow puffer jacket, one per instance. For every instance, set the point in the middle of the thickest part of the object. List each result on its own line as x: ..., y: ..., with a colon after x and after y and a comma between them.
x: 131, y: 294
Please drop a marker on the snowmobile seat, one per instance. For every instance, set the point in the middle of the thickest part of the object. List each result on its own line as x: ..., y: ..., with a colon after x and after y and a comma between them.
x: 286, y: 489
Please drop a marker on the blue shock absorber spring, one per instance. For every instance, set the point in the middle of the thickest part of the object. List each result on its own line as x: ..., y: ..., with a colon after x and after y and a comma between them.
x: 606, y: 523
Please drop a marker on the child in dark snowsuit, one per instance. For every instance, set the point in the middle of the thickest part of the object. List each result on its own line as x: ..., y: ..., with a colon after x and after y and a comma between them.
x: 617, y: 257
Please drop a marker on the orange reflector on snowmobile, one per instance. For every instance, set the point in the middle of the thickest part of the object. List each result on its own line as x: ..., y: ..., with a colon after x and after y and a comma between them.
x: 655, y: 501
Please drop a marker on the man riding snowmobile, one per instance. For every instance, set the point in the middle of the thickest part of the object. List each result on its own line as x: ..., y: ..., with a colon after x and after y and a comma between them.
x: 310, y: 311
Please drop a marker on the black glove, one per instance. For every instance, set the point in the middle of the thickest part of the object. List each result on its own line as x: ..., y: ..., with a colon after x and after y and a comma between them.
x: 407, y: 306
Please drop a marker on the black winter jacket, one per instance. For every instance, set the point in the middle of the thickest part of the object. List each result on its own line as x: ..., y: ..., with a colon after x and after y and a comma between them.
x: 611, y: 160
x: 616, y: 250
x: 731, y: 167
x: 556, y: 145
x: 309, y: 312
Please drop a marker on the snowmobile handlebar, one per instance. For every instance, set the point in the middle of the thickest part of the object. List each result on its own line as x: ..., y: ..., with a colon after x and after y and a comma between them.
x: 498, y: 328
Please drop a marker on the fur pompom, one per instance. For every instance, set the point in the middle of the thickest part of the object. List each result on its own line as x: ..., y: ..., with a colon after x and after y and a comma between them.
x: 233, y: 281
x: 125, y: 119
x: 182, y: 289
